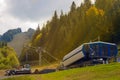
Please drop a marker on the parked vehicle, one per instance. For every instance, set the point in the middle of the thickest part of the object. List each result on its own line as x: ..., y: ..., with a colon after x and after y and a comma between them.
x: 25, y: 69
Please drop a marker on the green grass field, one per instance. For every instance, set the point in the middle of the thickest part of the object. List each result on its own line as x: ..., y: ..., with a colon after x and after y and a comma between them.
x: 98, y: 72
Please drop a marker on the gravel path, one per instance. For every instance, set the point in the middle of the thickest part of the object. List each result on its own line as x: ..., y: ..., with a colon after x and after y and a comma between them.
x: 3, y: 77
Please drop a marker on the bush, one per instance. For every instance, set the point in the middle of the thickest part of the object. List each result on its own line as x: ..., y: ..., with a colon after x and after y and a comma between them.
x: 3, y: 66
x: 8, y: 58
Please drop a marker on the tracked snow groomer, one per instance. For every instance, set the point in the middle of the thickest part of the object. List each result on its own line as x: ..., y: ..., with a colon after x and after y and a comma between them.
x: 90, y: 54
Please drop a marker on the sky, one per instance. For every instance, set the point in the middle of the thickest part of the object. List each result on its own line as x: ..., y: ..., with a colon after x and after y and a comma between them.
x: 27, y: 14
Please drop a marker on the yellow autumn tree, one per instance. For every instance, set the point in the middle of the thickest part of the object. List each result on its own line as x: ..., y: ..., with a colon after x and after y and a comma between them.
x: 94, y: 19
x: 93, y: 11
x: 94, y: 15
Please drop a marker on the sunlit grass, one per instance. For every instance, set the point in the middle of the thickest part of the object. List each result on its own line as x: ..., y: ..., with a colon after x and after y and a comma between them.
x: 98, y: 72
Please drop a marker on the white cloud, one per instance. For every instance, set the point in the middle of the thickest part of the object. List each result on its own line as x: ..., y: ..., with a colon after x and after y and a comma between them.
x: 29, y: 13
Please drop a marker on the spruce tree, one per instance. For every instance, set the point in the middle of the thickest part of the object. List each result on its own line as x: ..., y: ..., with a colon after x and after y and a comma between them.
x: 73, y: 7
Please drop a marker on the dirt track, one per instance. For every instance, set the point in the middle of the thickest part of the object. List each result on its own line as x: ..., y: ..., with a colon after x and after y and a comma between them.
x: 3, y: 77
x: 2, y: 72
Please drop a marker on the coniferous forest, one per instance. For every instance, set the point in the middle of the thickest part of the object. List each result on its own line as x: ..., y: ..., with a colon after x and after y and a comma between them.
x: 88, y: 22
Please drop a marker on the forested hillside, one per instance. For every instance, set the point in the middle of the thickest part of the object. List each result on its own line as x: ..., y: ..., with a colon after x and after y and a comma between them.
x: 88, y: 22
x: 8, y: 58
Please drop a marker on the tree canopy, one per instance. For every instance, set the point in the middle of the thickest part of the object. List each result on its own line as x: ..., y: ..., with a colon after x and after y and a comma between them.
x: 81, y: 24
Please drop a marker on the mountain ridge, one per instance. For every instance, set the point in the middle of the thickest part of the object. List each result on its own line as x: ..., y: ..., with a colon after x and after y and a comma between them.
x: 8, y: 35
x: 19, y: 40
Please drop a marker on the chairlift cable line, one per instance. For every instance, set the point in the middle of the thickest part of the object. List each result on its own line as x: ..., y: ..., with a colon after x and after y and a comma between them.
x: 45, y: 52
x: 46, y: 60
x: 52, y: 56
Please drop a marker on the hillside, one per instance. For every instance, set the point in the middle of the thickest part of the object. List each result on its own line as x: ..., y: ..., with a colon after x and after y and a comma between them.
x: 20, y: 40
x: 8, y: 58
x: 88, y: 22
x: 98, y: 72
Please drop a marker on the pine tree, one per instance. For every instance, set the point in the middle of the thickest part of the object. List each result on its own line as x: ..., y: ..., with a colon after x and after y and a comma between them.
x: 73, y: 7
x: 37, y: 32
x: 55, y: 16
x: 54, y: 22
x: 87, y: 3
x: 61, y: 15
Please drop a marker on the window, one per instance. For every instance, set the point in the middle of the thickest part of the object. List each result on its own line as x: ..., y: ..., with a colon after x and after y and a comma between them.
x: 112, y: 50
x: 95, y: 48
x: 104, y: 50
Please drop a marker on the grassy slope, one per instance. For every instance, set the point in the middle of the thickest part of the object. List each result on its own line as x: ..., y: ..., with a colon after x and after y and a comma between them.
x: 99, y: 72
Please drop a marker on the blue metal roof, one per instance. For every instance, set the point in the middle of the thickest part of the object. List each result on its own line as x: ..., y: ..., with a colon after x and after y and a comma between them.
x: 99, y: 42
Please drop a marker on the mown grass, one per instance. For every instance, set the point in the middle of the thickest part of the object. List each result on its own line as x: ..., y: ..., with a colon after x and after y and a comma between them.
x: 98, y: 72
x: 21, y: 78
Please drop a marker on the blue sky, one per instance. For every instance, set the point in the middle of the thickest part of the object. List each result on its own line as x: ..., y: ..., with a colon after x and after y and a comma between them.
x: 29, y: 13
